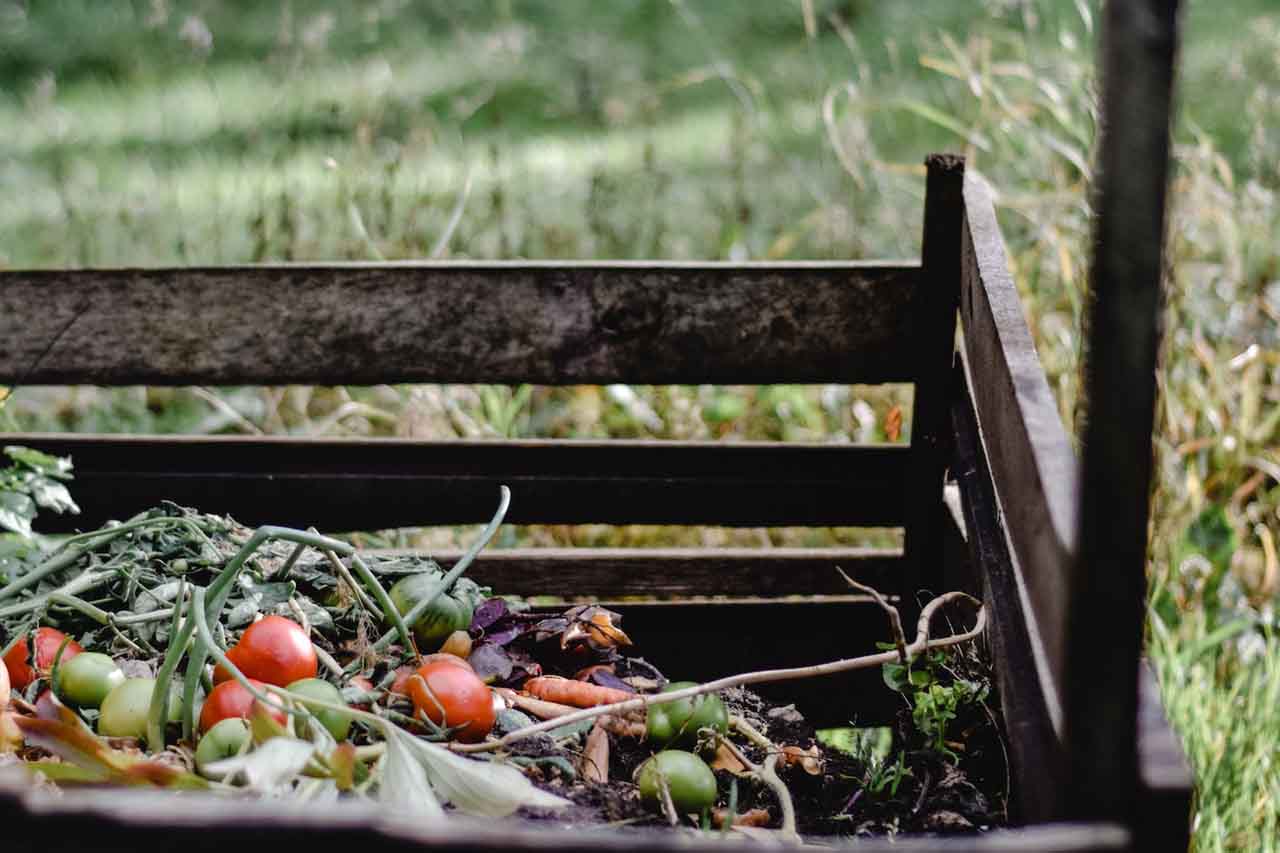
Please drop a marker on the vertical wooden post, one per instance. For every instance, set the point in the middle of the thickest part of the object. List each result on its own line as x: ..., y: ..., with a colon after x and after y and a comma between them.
x: 1108, y: 587
x: 935, y: 308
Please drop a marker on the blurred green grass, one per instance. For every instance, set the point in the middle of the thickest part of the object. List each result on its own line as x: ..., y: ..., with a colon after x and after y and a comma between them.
x: 226, y: 132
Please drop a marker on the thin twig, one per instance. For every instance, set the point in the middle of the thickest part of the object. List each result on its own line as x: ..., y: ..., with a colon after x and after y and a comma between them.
x: 895, y: 619
x: 361, y: 596
x: 328, y: 660
x: 921, y: 644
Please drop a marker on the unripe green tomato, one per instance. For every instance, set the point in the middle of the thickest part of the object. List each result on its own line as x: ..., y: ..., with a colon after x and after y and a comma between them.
x: 688, y: 778
x: 224, y: 740
x: 338, y: 724
x: 124, y: 711
x: 677, y: 723
x: 445, y: 615
x: 87, y: 678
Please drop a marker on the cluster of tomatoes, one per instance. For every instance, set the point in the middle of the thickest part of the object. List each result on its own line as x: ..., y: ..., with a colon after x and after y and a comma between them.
x: 272, y: 651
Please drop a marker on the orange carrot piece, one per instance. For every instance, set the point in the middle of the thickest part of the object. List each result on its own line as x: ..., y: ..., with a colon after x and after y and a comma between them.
x: 579, y: 694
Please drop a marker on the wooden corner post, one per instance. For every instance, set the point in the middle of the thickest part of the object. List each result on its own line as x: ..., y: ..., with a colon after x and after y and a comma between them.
x: 935, y: 309
x: 1108, y: 586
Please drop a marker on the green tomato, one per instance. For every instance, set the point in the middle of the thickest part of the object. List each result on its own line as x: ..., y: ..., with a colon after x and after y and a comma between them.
x: 86, y: 679
x: 688, y: 778
x: 224, y: 740
x: 338, y: 724
x: 677, y: 723
x: 124, y: 711
x: 448, y: 613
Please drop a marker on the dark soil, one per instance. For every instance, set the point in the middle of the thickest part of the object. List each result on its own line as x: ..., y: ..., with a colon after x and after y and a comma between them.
x: 962, y: 793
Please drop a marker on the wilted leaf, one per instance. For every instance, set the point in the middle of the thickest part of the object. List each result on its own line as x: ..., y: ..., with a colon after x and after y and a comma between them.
x: 16, y: 513
x: 273, y: 764
x: 50, y: 466
x: 489, y: 612
x: 491, y: 663
x: 402, y: 783
x: 342, y: 764
x: 481, y: 788
x: 51, y: 494
x: 726, y: 760
x: 593, y: 766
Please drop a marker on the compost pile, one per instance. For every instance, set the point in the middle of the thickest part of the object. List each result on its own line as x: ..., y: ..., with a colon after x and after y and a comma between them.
x: 182, y: 650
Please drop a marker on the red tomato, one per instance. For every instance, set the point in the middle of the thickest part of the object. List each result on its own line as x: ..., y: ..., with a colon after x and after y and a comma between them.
x: 404, y: 672
x: 229, y: 700
x: 275, y: 650
x: 464, y: 699
x: 220, y: 673
x: 21, y: 669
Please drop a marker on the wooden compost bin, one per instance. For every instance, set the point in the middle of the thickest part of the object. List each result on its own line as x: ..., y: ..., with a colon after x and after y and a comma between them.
x: 986, y: 492
x: 989, y: 493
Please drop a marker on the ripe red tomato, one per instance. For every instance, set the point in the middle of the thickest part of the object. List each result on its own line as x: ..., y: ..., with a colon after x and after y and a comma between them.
x: 47, y: 640
x: 275, y: 650
x: 220, y: 673
x: 463, y: 698
x: 230, y: 700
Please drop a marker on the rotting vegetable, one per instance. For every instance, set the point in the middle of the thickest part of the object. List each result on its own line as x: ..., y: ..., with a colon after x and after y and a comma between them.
x: 269, y: 675
x: 25, y: 667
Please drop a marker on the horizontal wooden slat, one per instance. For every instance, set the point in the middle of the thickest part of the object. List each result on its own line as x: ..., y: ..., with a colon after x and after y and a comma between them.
x: 340, y: 485
x: 112, y: 820
x: 605, y: 573
x: 549, y: 323
x: 1032, y: 463
x: 705, y: 641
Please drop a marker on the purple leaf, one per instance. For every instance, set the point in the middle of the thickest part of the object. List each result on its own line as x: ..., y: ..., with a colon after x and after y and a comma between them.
x: 491, y: 663
x: 605, y: 678
x: 489, y: 612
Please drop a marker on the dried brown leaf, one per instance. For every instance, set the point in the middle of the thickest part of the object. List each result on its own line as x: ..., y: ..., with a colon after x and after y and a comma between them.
x: 593, y: 766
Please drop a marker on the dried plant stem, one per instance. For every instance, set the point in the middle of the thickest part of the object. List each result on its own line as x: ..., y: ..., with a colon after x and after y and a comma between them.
x: 363, y: 597
x: 921, y: 644
x: 767, y: 772
x: 895, y: 618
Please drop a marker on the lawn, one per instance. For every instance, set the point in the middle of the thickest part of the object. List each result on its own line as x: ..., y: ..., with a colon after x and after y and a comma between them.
x: 228, y: 132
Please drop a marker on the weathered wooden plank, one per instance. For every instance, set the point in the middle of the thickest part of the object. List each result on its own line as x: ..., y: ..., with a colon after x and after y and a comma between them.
x: 935, y: 309
x: 1032, y: 464
x: 550, y: 323
x: 605, y: 573
x: 338, y: 484
x: 128, y: 820
x: 1108, y: 586
x: 1038, y: 765
x: 1163, y: 818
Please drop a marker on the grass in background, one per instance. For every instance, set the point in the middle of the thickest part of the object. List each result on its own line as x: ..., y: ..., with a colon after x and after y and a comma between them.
x: 227, y: 132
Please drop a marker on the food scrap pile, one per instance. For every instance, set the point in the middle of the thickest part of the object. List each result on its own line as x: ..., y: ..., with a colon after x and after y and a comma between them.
x: 180, y: 649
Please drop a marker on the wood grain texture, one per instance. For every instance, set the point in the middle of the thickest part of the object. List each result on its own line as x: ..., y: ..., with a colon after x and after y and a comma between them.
x: 549, y: 323
x: 1032, y: 464
x: 605, y: 573
x: 935, y: 310
x: 1032, y: 713
x: 1139, y: 48
x: 340, y: 484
